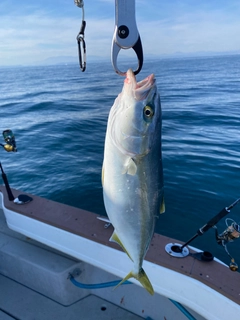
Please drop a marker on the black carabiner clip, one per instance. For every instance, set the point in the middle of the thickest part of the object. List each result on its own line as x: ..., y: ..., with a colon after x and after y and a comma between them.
x: 82, y: 51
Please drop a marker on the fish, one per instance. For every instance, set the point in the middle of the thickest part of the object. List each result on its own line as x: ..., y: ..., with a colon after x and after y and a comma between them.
x: 132, y: 171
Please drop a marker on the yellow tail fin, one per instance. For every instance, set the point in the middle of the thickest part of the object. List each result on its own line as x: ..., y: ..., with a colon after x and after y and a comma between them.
x: 142, y: 278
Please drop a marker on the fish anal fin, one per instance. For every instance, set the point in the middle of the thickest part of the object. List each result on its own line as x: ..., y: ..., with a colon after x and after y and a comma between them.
x: 115, y: 238
x: 142, y: 278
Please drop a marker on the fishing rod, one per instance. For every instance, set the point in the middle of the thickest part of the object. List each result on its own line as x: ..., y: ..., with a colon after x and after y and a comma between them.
x: 9, y: 191
x: 211, y: 223
x: 231, y: 233
x: 9, y: 146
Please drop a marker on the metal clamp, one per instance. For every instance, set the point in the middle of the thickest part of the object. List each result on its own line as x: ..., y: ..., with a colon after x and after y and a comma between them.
x: 126, y: 34
x: 80, y: 38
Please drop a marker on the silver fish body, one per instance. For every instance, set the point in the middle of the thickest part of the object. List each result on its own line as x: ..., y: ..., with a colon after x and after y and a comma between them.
x: 132, y: 174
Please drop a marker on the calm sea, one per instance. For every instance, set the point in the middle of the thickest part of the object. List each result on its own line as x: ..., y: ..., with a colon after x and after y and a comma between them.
x: 59, y: 116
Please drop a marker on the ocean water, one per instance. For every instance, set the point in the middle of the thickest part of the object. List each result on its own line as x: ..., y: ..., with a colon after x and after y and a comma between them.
x: 59, y: 116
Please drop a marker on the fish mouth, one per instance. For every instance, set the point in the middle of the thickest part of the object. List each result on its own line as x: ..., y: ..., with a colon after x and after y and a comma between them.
x: 142, y: 88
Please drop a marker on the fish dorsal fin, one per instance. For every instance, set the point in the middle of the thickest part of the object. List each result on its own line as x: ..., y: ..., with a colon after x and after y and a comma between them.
x: 162, y: 206
x: 115, y: 238
x: 130, y: 167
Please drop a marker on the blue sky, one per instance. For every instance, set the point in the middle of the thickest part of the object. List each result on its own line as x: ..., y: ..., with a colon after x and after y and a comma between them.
x: 32, y: 31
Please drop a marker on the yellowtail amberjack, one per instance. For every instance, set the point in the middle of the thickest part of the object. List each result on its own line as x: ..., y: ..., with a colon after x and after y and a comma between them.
x: 132, y: 174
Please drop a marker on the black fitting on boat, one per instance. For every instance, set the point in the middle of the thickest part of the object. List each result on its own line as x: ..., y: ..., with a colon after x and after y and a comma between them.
x: 178, y: 251
x: 202, y: 256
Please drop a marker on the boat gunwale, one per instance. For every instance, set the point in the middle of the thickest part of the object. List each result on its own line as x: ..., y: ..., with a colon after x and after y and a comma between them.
x: 85, y: 224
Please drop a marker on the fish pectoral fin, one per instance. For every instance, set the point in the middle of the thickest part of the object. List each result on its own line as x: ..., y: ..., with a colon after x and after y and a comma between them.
x: 130, y: 167
x: 162, y: 206
x: 115, y: 238
x: 142, y: 278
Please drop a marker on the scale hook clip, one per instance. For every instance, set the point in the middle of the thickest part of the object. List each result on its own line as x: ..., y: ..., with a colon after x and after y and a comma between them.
x: 126, y: 34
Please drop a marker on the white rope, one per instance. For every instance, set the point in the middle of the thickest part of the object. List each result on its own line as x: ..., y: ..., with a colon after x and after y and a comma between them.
x: 80, y: 4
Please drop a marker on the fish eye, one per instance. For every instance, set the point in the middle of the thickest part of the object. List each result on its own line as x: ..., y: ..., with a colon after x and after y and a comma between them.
x: 148, y: 112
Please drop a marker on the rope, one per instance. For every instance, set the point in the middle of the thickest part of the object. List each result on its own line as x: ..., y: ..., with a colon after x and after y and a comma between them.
x: 183, y: 310
x: 98, y: 285
x: 80, y: 4
x: 115, y: 283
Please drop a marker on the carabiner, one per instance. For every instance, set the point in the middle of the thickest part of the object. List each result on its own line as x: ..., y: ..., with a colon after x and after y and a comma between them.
x: 126, y: 34
x: 80, y: 38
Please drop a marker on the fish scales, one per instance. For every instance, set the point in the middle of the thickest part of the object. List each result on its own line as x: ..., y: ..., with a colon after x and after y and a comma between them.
x: 132, y: 174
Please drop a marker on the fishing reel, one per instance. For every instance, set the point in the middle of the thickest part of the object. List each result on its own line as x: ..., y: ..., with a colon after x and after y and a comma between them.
x: 9, y: 138
x: 231, y: 233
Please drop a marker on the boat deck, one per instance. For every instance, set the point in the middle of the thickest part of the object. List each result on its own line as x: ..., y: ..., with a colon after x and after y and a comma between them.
x: 18, y: 302
x: 21, y: 302
x: 21, y: 299
x: 85, y: 224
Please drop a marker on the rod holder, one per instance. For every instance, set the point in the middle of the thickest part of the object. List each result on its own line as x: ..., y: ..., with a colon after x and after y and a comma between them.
x: 176, y: 250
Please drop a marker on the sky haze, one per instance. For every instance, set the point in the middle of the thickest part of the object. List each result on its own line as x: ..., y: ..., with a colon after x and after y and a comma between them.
x: 32, y: 31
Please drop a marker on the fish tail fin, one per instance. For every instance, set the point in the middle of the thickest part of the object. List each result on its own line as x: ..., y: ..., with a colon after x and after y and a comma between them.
x: 145, y: 282
x: 142, y: 278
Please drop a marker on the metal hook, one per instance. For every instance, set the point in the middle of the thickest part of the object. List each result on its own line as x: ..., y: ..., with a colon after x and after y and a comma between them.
x: 80, y: 38
x: 126, y: 34
x: 138, y: 50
